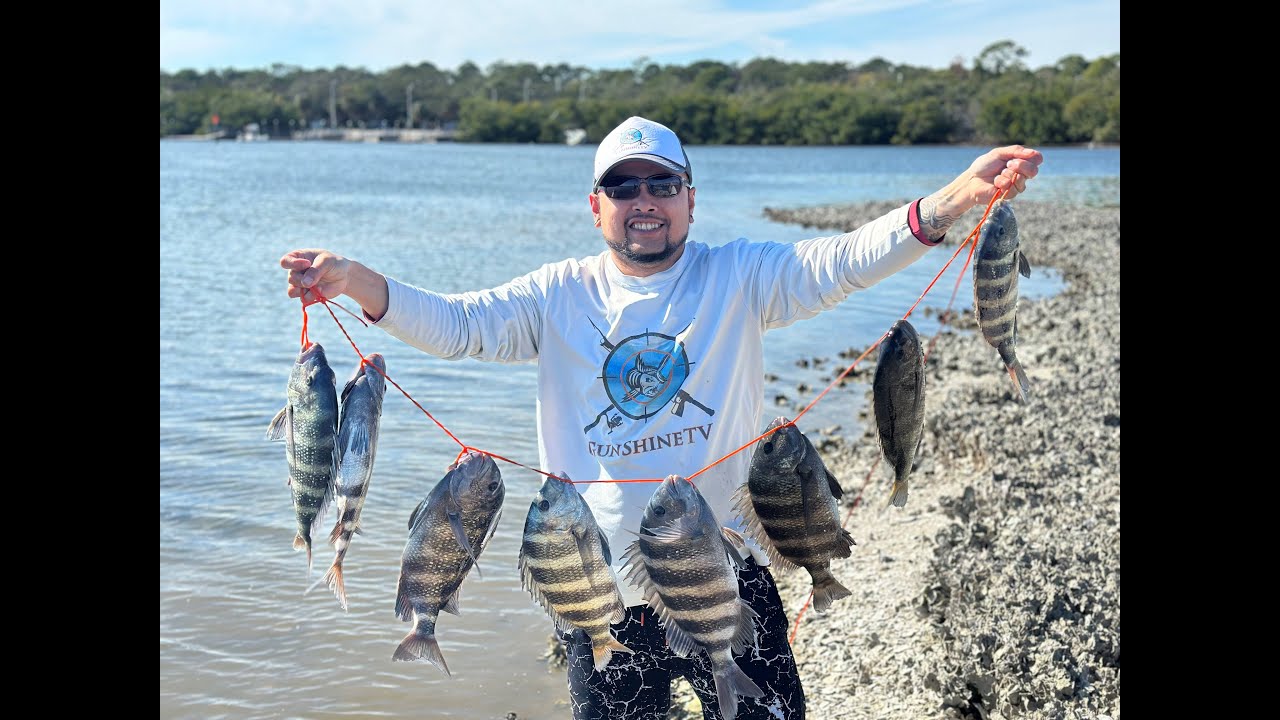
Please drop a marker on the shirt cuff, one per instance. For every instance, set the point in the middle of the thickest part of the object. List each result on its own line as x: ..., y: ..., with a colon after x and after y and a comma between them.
x: 913, y: 220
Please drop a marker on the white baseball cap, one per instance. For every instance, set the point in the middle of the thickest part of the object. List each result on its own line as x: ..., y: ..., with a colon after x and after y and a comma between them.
x: 640, y: 139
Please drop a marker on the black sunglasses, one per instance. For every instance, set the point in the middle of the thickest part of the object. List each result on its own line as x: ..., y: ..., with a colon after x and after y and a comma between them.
x: 626, y: 187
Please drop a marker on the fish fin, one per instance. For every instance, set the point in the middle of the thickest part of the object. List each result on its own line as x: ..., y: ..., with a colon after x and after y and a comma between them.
x: 460, y: 535
x: 680, y: 642
x: 317, y: 523
x: 276, y: 430
x: 493, y: 529
x: 806, y: 503
x: 637, y: 573
x: 299, y: 543
x: 730, y: 683
x: 421, y: 647
x: 357, y: 439
x: 586, y: 554
x: 732, y: 542
x: 605, y: 650
x: 678, y: 531
x: 451, y: 603
x: 1024, y: 267
x: 534, y: 588
x: 827, y: 590
x: 746, y: 510
x: 844, y: 544
x: 898, y: 497
x: 1019, y: 378
x: 334, y: 580
x: 836, y: 491
x: 418, y: 511
x: 604, y: 548
x: 336, y: 532
x: 745, y: 637
x: 351, y: 383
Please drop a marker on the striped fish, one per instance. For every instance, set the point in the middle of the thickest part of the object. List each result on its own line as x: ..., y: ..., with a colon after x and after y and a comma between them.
x: 447, y: 532
x: 788, y: 505
x: 897, y: 394
x: 995, y: 288
x: 685, y: 567
x: 308, y: 423
x: 564, y: 564
x: 358, y: 444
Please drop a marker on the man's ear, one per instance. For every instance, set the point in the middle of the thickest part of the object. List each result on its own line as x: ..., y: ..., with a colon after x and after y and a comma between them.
x: 594, y: 201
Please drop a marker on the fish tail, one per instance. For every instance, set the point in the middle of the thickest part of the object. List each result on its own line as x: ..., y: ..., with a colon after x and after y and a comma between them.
x: 898, y: 497
x: 605, y: 650
x: 424, y: 647
x: 827, y: 590
x: 300, y: 542
x: 334, y: 579
x: 730, y: 683
x: 1019, y: 378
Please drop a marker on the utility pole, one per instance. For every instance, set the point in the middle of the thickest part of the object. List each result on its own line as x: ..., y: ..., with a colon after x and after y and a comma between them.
x: 408, y: 106
x: 333, y: 103
x: 527, y: 82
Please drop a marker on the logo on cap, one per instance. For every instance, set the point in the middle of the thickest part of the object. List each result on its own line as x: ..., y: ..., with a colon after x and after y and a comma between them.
x: 633, y: 136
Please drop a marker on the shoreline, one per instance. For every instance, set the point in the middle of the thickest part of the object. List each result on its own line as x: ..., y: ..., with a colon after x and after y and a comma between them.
x: 995, y: 592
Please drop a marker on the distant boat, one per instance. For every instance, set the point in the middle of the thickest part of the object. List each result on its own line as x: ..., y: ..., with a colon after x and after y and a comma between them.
x: 573, y: 136
x: 252, y: 133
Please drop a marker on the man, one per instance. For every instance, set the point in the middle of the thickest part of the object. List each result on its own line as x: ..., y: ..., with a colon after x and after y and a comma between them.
x: 650, y: 359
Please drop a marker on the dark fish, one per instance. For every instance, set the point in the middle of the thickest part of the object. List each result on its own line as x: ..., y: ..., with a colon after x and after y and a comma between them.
x: 685, y: 567
x: 897, y: 394
x: 564, y: 564
x: 788, y: 504
x: 308, y: 423
x: 357, y: 445
x: 447, y: 532
x: 995, y: 288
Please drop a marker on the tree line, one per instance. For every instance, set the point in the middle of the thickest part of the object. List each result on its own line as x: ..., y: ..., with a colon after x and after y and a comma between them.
x: 994, y: 100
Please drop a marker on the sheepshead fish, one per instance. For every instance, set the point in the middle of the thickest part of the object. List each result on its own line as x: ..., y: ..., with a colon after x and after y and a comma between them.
x: 788, y: 504
x: 897, y: 394
x: 447, y: 532
x: 995, y: 288
x: 685, y: 567
x: 308, y: 423
x: 357, y: 445
x: 564, y: 564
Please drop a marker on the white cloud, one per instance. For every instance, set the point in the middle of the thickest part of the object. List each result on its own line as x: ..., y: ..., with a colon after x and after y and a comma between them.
x: 378, y: 34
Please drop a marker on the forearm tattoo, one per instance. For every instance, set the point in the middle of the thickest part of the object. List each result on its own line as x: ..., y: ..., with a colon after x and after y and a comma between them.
x: 932, y: 223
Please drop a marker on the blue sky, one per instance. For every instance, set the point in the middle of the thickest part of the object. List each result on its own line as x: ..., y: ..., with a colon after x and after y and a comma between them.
x: 381, y: 34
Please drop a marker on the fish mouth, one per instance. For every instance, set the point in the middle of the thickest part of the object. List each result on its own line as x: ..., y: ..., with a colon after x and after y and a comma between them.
x: 310, y: 351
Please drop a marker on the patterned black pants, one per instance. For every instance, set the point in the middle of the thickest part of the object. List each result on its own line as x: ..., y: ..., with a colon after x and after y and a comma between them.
x: 638, y: 686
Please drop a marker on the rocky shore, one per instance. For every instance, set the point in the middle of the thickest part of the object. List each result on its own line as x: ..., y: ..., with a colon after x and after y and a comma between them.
x: 995, y: 593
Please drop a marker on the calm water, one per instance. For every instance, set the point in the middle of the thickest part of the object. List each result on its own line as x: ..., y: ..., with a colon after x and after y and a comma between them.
x: 238, y: 636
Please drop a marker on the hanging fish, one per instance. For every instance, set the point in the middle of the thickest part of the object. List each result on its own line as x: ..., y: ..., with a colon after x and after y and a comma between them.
x: 308, y: 423
x: 564, y: 564
x: 897, y: 394
x: 685, y: 567
x: 996, y: 268
x: 357, y: 446
x: 447, y: 532
x: 788, y: 505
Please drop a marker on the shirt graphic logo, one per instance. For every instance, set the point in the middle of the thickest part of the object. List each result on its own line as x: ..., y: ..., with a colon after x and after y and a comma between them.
x: 643, y: 374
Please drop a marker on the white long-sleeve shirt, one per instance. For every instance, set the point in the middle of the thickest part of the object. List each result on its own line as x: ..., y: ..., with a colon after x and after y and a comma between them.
x: 647, y: 377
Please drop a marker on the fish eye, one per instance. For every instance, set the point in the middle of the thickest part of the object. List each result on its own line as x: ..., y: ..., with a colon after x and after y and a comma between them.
x: 544, y: 505
x: 768, y: 448
x: 493, y: 486
x: 659, y: 511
